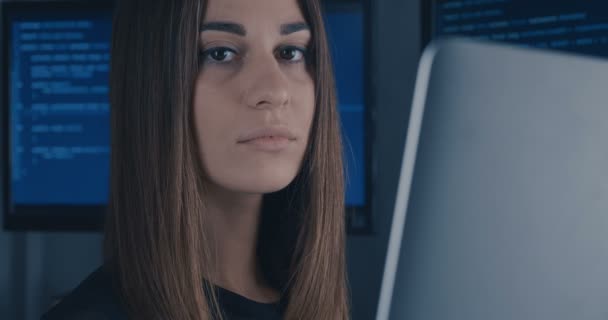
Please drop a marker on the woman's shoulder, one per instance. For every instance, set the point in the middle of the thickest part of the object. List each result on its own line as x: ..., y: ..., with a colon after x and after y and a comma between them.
x: 94, y: 298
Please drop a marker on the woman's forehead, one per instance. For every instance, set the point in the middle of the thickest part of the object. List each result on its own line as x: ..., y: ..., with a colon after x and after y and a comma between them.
x: 250, y: 12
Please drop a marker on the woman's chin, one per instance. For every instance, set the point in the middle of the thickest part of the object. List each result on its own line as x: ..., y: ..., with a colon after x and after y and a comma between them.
x: 259, y: 183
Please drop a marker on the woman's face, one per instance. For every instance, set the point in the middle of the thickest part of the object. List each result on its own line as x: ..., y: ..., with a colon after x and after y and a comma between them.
x: 254, y: 97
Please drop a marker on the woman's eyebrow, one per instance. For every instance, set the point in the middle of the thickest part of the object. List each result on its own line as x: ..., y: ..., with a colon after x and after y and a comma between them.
x: 230, y: 27
x: 293, y: 27
x: 239, y: 29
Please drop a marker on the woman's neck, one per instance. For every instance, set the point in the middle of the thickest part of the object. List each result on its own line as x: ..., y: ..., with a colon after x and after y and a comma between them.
x: 235, y: 219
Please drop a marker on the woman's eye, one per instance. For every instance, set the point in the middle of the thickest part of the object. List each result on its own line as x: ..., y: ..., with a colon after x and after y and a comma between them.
x: 292, y: 54
x: 219, y: 55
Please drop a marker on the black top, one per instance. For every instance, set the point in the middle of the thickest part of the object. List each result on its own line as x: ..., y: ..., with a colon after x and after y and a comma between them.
x: 94, y: 299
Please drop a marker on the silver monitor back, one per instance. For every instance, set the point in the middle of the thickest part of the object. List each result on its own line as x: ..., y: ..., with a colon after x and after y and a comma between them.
x: 502, y: 206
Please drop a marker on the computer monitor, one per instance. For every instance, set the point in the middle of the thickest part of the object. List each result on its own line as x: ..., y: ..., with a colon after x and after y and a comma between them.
x: 347, y: 34
x: 565, y: 25
x: 56, y: 114
x: 55, y: 120
x: 501, y: 206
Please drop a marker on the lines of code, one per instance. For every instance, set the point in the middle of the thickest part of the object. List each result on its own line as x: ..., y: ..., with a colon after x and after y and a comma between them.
x: 567, y: 25
x: 59, y: 109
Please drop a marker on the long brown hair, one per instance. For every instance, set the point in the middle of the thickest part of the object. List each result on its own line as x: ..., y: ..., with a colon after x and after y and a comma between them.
x: 156, y: 246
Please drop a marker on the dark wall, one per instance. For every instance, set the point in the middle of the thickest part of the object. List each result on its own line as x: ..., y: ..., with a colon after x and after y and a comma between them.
x: 395, y: 51
x: 36, y: 266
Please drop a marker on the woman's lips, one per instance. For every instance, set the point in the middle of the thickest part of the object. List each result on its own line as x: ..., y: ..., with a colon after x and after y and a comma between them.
x: 268, y: 138
x: 267, y: 132
x: 268, y: 143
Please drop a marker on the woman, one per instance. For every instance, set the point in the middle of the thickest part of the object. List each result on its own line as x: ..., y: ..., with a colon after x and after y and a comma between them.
x: 227, y: 178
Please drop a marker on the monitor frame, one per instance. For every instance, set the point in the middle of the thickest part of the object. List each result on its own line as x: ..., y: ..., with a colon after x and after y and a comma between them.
x: 44, y: 217
x: 426, y: 22
x: 90, y: 218
x: 364, y: 211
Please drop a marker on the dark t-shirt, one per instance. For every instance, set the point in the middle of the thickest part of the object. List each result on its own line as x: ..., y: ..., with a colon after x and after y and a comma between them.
x: 94, y: 299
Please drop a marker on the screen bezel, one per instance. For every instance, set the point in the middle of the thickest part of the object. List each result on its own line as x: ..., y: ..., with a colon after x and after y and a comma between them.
x: 427, y: 22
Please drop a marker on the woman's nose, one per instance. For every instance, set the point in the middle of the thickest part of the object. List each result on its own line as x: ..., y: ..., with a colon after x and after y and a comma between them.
x: 267, y: 86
